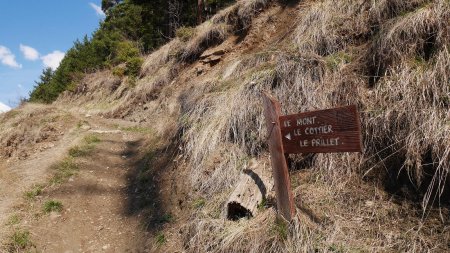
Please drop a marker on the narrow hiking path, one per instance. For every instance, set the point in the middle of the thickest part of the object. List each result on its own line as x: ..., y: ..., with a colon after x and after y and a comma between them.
x: 96, y: 215
x: 113, y: 202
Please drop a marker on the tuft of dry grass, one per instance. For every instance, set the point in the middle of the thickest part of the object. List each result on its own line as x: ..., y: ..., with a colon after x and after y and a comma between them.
x: 419, y: 33
x: 329, y: 26
x: 207, y: 35
x: 162, y: 56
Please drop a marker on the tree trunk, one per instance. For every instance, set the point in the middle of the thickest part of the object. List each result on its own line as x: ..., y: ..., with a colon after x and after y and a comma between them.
x: 250, y: 193
x: 200, y: 6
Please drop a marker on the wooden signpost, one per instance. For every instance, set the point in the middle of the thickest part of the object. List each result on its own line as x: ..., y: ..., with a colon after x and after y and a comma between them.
x: 326, y: 131
x: 285, y: 198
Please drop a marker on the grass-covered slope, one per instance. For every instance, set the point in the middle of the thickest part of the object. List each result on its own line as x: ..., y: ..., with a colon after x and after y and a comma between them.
x: 391, y: 58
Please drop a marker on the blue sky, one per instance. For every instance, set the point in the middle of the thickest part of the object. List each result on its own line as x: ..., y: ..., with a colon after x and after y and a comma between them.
x: 36, y: 34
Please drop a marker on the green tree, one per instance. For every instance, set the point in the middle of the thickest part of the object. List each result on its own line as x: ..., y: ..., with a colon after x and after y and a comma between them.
x: 108, y: 4
x: 42, y: 89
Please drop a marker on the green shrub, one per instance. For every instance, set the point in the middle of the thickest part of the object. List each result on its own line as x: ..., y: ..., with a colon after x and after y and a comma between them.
x: 118, y: 71
x: 137, y: 129
x: 280, y: 229
x: 20, y: 240
x: 160, y: 239
x: 52, y: 206
x: 34, y: 192
x: 263, y: 204
x: 78, y: 151
x: 133, y: 66
x: 13, y: 220
x: 126, y: 50
x: 91, y: 139
x: 166, y: 218
x: 185, y: 33
x: 86, y: 149
x: 63, y: 170
x: 199, y: 203
x: 335, y: 60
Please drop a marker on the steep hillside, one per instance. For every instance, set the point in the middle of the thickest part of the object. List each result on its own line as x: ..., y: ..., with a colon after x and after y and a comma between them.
x: 201, y: 94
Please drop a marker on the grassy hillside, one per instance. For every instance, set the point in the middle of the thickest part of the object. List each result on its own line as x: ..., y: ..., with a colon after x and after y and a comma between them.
x: 202, y: 93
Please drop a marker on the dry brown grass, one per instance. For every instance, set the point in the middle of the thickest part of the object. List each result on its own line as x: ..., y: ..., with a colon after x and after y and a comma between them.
x: 30, y: 129
x: 329, y: 26
x: 161, y: 56
x: 389, y: 57
x: 207, y: 35
x: 236, y: 19
x: 404, y: 110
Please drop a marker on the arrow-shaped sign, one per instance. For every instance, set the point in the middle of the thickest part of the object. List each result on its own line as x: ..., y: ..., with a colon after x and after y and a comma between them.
x: 288, y: 136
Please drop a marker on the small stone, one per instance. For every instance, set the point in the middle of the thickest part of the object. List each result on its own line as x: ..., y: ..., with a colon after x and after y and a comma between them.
x: 106, y: 247
x: 54, y: 215
x: 369, y: 203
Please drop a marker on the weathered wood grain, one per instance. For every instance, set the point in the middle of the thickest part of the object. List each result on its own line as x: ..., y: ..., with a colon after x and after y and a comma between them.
x: 324, y: 131
x: 285, y: 200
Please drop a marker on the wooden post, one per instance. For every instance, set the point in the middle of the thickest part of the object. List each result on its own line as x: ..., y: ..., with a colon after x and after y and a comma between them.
x: 285, y: 199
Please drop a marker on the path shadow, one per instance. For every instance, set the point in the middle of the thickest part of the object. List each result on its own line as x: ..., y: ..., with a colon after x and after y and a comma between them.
x: 145, y: 184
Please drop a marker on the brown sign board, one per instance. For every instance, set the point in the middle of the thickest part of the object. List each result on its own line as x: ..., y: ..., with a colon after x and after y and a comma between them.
x: 325, y: 131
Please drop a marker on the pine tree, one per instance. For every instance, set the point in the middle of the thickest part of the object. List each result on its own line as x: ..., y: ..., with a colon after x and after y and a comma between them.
x: 108, y: 4
x: 41, y: 92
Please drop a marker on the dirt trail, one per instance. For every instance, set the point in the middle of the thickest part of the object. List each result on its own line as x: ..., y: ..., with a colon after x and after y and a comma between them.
x: 105, y: 208
x: 96, y: 214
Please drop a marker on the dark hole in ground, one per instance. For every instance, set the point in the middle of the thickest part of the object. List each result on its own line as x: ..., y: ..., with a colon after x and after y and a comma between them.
x: 429, y: 46
x: 289, y: 3
x: 276, y: 82
x: 235, y: 211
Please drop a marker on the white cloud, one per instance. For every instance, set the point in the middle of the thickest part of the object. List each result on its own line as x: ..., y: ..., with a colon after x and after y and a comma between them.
x: 29, y: 53
x: 7, y: 58
x: 53, y: 59
x: 97, y: 9
x: 4, y: 108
